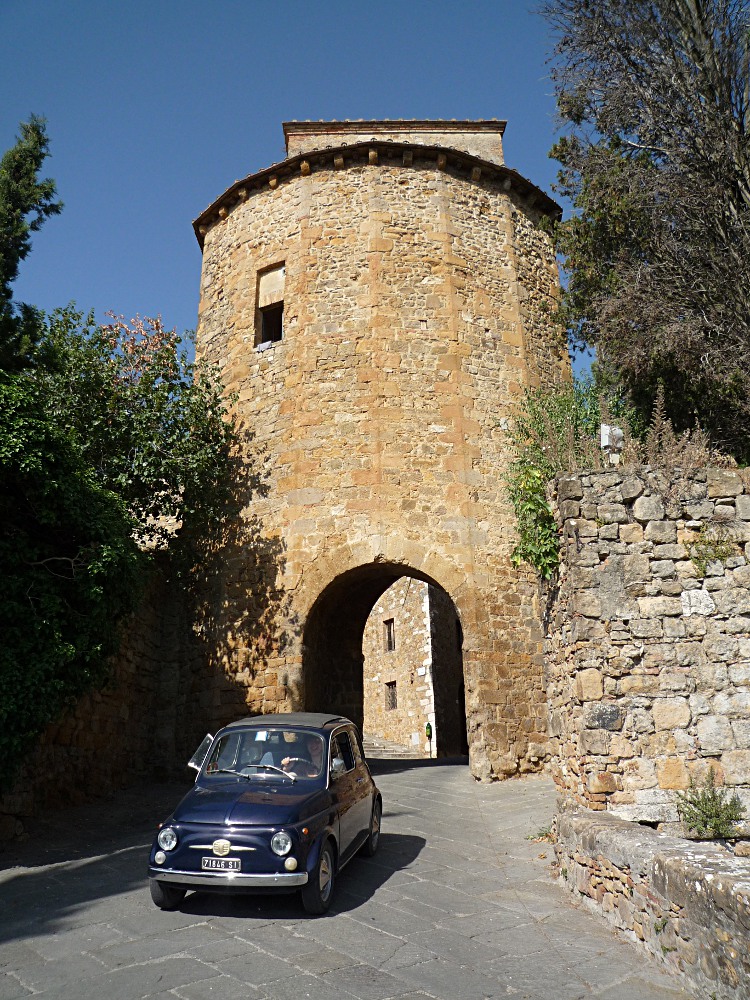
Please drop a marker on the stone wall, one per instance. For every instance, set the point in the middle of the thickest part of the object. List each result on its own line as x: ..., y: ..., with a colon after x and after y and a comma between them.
x: 648, y: 639
x: 688, y: 904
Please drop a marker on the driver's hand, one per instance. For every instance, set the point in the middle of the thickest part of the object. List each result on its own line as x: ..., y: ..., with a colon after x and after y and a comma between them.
x: 286, y: 761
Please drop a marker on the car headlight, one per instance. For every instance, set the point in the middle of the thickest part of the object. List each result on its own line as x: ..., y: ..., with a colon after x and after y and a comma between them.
x: 167, y: 839
x: 281, y: 843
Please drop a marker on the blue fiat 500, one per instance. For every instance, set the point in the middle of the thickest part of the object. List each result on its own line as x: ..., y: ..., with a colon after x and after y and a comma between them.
x: 281, y: 803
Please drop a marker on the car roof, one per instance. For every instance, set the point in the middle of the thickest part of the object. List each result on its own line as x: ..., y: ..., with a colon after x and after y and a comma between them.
x: 304, y: 720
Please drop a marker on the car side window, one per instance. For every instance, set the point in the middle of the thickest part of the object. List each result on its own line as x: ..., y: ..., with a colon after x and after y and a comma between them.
x: 359, y: 754
x: 344, y: 750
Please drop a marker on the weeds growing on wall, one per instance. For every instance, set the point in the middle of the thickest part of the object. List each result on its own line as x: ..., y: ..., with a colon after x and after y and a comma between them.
x: 557, y: 431
x: 710, y: 811
x: 551, y: 433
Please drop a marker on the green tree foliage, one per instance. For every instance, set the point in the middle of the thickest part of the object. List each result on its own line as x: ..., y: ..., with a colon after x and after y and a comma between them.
x: 152, y: 424
x: 70, y: 568
x: 110, y: 439
x: 655, y: 98
x: 25, y: 202
x: 552, y: 432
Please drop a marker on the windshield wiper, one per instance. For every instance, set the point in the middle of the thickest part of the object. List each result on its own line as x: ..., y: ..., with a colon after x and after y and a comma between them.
x: 272, y: 767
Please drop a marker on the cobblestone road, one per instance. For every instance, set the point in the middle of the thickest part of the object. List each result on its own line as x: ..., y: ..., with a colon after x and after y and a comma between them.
x: 457, y: 905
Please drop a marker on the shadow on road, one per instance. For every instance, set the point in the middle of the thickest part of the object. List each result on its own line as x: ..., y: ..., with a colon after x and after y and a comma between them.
x: 355, y: 884
x: 95, y: 853
x: 394, y: 765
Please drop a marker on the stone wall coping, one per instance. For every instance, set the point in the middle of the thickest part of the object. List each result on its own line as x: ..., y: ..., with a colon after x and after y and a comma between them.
x: 372, y: 153
x: 639, y: 848
x: 389, y: 124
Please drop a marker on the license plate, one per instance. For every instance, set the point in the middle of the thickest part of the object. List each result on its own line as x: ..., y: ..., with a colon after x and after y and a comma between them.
x: 220, y: 864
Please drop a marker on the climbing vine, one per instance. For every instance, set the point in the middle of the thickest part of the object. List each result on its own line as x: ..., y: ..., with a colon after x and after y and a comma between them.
x: 551, y: 432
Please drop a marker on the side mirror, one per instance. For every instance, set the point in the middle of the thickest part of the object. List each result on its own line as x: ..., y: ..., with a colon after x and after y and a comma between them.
x: 196, y: 761
x: 338, y: 767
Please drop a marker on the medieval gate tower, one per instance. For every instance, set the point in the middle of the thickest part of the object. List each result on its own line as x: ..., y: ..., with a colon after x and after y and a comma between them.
x: 376, y: 302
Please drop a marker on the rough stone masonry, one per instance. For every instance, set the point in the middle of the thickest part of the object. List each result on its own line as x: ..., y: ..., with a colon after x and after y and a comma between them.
x: 376, y: 303
x: 648, y: 645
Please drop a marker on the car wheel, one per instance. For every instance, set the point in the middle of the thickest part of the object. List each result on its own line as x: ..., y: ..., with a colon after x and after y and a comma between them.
x: 166, y: 897
x: 316, y: 895
x: 370, y: 846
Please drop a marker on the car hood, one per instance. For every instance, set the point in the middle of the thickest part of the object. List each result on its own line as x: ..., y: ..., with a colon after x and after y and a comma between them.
x: 239, y: 804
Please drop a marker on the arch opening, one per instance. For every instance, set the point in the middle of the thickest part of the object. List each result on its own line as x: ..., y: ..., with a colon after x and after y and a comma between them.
x: 382, y: 645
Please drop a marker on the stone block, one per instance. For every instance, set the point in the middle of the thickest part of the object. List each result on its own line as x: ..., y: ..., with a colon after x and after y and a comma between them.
x: 603, y: 715
x: 601, y: 782
x: 588, y: 685
x: 714, y: 733
x: 630, y: 488
x: 661, y: 532
x: 648, y: 508
x: 736, y: 766
x: 647, y: 628
x: 697, y: 602
x: 594, y: 741
x: 657, y: 607
x: 631, y: 533
x: 569, y: 509
x: 672, y: 773
x: 613, y: 513
x: 671, y: 713
x: 587, y: 604
x: 742, y: 507
x: 635, y: 569
x: 724, y: 483
x: 569, y: 488
x: 639, y: 684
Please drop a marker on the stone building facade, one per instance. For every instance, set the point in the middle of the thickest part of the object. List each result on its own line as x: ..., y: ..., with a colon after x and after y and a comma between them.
x: 376, y: 303
x: 412, y: 647
x: 648, y: 644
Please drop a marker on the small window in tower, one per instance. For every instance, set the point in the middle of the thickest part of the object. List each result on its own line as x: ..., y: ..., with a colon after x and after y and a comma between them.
x: 389, y: 635
x: 269, y: 319
x: 391, y: 700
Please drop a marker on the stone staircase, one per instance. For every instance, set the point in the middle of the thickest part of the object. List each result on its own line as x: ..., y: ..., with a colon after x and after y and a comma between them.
x: 378, y: 749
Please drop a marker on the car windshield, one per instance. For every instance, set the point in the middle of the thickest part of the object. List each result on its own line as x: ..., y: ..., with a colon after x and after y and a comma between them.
x: 262, y: 753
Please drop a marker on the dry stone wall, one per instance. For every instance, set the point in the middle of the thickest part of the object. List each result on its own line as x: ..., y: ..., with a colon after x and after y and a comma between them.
x: 687, y: 904
x: 648, y: 639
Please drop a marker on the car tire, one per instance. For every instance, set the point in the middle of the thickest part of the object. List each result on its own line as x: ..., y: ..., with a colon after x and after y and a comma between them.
x: 370, y: 846
x: 317, y: 894
x: 166, y: 897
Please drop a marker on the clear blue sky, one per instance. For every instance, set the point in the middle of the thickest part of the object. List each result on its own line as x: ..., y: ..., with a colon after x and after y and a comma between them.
x: 154, y: 107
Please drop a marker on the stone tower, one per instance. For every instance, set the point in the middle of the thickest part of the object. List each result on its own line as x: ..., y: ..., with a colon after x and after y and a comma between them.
x: 376, y: 302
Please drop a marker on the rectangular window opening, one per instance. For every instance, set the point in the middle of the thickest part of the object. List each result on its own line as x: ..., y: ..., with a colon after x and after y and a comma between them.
x: 389, y: 635
x: 391, y: 701
x: 272, y: 323
x: 269, y: 317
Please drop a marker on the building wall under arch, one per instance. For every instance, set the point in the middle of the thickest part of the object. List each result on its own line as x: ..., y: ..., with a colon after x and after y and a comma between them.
x: 415, y: 300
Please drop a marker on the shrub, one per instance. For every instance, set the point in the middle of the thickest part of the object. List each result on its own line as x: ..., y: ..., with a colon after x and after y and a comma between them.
x: 709, y: 810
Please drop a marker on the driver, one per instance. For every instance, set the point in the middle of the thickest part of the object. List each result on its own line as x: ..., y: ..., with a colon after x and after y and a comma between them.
x: 308, y: 766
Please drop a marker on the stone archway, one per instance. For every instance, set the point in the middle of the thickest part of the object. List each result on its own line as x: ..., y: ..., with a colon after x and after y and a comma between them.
x: 426, y: 663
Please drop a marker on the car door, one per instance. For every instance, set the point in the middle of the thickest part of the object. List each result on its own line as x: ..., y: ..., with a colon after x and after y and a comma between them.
x: 352, y: 792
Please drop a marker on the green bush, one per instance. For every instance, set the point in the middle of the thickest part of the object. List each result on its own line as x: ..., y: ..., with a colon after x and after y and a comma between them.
x: 552, y: 432
x: 709, y: 810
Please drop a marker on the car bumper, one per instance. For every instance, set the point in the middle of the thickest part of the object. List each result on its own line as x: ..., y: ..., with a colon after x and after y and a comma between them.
x: 234, y: 880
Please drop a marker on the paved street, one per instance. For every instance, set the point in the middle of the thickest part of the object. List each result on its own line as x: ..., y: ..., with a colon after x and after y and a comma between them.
x: 457, y: 905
